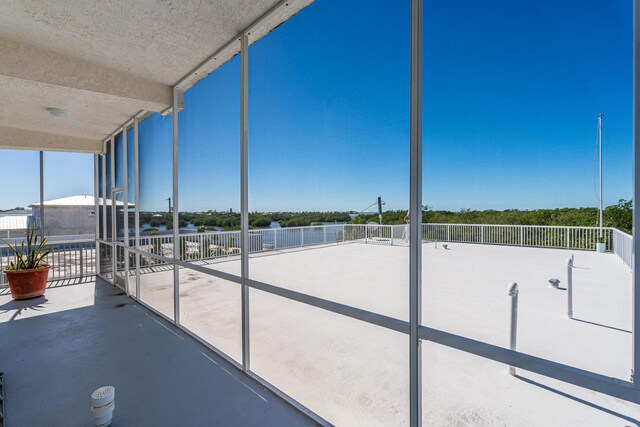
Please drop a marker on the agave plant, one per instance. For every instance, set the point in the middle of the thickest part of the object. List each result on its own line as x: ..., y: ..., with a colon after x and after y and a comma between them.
x: 30, y: 257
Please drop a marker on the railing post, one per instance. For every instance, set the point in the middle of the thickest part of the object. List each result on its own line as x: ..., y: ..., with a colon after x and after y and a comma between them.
x: 275, y: 239
x: 513, y: 293
x: 570, y: 287
x: 568, y: 238
x: 448, y: 233
x: 81, y: 262
x: 301, y: 236
x: 521, y: 236
x: 482, y: 234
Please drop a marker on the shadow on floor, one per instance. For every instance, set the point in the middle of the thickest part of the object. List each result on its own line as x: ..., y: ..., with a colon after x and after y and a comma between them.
x: 633, y: 421
x: 20, y: 306
x: 601, y: 325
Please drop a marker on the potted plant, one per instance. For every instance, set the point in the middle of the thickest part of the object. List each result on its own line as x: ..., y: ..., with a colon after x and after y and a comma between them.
x: 28, y: 274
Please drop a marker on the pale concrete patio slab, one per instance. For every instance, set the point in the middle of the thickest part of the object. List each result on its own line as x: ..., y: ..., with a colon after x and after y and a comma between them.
x: 58, y: 348
x: 353, y: 373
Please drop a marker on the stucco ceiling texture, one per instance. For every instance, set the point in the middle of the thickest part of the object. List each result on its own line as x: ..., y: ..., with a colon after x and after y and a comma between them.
x: 105, y: 60
x: 156, y: 40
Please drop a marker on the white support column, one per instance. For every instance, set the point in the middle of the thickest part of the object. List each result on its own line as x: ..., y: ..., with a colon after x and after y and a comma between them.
x: 112, y: 207
x: 41, y: 194
x: 244, y: 197
x: 96, y: 194
x: 177, y: 101
x: 415, y: 225
x: 104, y: 192
x: 636, y: 195
x: 136, y: 170
x: 125, y: 209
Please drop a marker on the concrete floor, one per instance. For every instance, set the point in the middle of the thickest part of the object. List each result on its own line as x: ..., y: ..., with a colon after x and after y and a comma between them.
x: 57, y: 349
x: 356, y: 374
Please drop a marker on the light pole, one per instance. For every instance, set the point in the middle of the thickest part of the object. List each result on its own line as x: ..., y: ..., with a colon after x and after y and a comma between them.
x: 600, y: 148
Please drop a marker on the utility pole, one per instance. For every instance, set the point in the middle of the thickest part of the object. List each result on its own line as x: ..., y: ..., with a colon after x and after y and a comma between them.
x: 380, y: 209
x: 169, y: 199
x: 600, y: 147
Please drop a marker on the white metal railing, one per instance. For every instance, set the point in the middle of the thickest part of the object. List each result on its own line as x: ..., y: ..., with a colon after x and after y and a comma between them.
x: 223, y: 244
x: 68, y: 260
x: 77, y: 258
x: 561, y: 237
x: 622, y: 246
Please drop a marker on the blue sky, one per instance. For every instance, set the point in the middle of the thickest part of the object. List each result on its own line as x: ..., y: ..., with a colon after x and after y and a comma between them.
x: 65, y: 174
x: 511, y: 95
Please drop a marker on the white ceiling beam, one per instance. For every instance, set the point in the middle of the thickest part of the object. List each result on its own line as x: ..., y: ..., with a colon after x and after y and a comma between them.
x: 26, y: 62
x: 22, y: 139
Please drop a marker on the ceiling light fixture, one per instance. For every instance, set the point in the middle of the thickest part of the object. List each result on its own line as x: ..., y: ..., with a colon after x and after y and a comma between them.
x: 58, y: 112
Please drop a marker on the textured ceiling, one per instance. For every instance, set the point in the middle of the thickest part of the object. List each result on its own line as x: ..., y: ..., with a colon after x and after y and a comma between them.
x: 105, y: 60
x: 153, y: 39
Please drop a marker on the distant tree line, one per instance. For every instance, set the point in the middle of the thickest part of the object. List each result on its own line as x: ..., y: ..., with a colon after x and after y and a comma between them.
x: 618, y: 216
x: 231, y: 220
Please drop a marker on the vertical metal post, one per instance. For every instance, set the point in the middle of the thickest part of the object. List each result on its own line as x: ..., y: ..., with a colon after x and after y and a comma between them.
x: 42, y: 194
x: 570, y: 287
x: 81, y: 261
x: 244, y: 196
x: 125, y: 208
x: 96, y: 194
x: 177, y: 101
x: 600, y: 155
x: 513, y: 330
x: 114, y: 249
x: 104, y: 192
x: 136, y: 179
x: 636, y: 195
x: 415, y: 218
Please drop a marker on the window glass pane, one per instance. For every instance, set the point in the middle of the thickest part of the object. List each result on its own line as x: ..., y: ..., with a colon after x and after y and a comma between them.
x: 210, y: 307
x: 156, y: 191
x: 156, y: 284
x: 329, y: 136
x: 106, y: 260
x: 100, y: 212
x: 461, y: 389
x: 512, y: 95
x: 69, y: 204
x: 209, y: 170
x: 16, y: 200
x: 347, y: 371
x: 156, y: 186
x: 119, y: 164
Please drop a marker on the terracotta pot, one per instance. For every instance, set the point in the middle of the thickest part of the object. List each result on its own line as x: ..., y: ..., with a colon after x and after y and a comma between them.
x: 28, y: 283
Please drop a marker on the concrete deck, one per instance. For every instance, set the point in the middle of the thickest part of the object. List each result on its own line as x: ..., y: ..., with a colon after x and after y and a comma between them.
x: 355, y: 374
x: 58, y: 348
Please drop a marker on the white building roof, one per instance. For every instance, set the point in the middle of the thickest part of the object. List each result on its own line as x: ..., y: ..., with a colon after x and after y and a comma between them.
x: 80, y: 201
x: 14, y: 222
